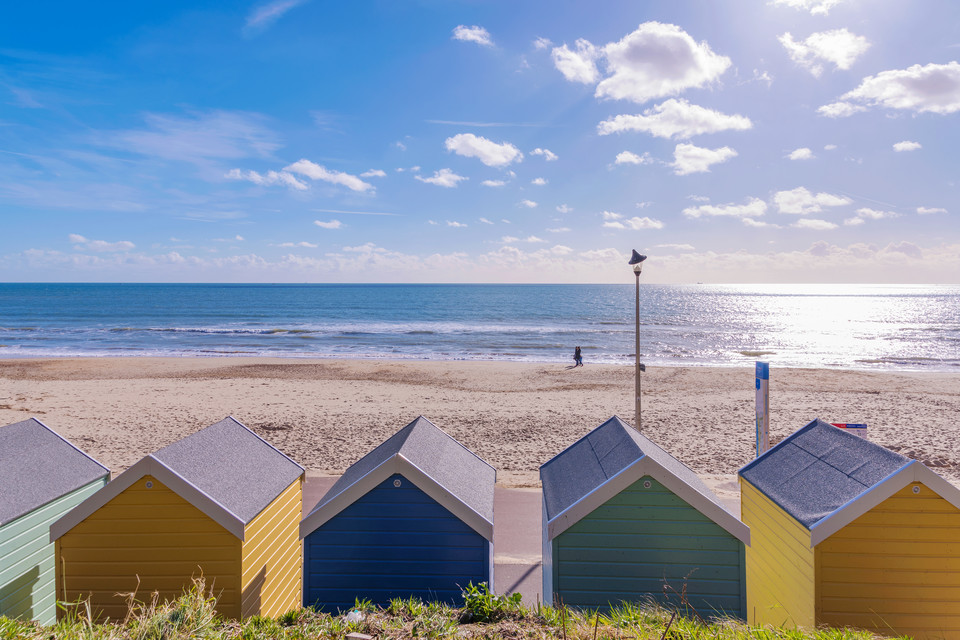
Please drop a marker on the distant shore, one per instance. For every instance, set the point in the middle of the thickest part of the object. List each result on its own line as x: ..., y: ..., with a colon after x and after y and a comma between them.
x: 326, y: 414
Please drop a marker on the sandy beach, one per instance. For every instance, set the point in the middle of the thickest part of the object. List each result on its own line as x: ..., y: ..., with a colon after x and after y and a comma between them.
x: 326, y: 414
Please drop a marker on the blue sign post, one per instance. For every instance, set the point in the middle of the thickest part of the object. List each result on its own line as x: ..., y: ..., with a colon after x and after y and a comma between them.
x: 763, y: 407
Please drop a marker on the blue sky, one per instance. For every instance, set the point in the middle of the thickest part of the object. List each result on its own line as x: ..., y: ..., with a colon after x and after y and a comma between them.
x: 444, y: 141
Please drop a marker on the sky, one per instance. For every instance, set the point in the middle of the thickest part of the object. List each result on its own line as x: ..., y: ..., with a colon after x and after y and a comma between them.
x: 743, y: 141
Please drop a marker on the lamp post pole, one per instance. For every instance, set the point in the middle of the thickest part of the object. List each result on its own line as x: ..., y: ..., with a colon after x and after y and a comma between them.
x: 637, y: 262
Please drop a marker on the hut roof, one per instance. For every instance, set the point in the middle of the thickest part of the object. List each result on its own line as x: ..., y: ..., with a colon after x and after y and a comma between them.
x: 819, y: 469
x: 439, y: 465
x: 37, y: 466
x: 607, y: 460
x: 225, y: 470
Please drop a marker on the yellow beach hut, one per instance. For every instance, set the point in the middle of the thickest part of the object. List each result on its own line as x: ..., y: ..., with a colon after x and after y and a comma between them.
x: 221, y: 503
x: 845, y: 532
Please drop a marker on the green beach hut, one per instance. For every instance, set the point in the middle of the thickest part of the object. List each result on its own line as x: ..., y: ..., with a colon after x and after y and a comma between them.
x: 624, y: 521
x: 42, y: 477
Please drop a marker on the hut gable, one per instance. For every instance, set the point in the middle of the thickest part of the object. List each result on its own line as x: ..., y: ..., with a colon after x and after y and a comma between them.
x: 440, y: 466
x: 41, y: 466
x: 609, y: 459
x: 819, y: 469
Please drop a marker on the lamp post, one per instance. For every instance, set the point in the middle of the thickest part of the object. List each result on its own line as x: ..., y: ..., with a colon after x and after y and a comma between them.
x: 637, y: 261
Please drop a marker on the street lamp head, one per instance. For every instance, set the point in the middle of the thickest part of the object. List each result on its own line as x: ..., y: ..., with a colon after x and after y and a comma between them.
x: 637, y: 261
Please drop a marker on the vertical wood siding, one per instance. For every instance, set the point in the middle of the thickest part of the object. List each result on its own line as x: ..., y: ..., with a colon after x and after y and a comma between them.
x: 156, y: 535
x: 780, y: 563
x: 272, y: 561
x: 649, y: 543
x: 392, y: 542
x: 895, y: 569
x: 27, y: 558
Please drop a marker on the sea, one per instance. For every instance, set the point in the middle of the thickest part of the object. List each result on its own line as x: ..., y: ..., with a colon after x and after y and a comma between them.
x: 866, y: 327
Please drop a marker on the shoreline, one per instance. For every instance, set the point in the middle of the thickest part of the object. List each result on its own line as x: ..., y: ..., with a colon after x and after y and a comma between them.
x: 327, y: 413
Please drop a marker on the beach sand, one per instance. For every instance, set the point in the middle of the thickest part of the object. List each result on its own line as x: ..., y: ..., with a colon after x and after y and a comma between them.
x: 326, y: 414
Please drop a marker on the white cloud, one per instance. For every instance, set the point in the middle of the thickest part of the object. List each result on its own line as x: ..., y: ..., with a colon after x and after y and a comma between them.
x: 689, y: 158
x: 488, y: 152
x: 493, y: 183
x: 530, y: 204
x: 829, y: 147
x: 542, y: 43
x: 559, y: 230
x: 270, y: 178
x: 548, y: 155
x: 443, y: 178
x: 801, y: 201
x: 853, y: 222
x: 473, y: 34
x: 655, y: 61
x: 374, y: 173
x: 332, y: 224
x: 696, y: 198
x: 400, y: 145
x: 634, y: 224
x: 306, y: 245
x: 484, y: 221
x: 933, y: 88
x: 318, y: 172
x: 815, y: 7
x: 81, y: 243
x: 675, y: 119
x: 754, y: 208
x: 676, y: 247
x: 562, y: 208
x: 803, y: 153
x: 611, y: 215
x: 874, y: 214
x: 814, y: 225
x: 579, y: 65
x: 540, y: 182
x: 533, y: 240
x: 926, y: 210
x: 838, y: 46
x: 509, y: 239
x: 266, y: 14
x: 907, y: 145
x: 628, y: 157
x: 455, y: 224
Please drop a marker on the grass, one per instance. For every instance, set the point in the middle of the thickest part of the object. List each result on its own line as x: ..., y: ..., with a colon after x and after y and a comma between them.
x: 484, y: 617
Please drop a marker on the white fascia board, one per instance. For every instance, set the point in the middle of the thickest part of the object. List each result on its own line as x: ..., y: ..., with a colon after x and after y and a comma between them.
x: 913, y: 471
x: 148, y: 466
x: 546, y: 565
x: 646, y: 466
x: 397, y: 463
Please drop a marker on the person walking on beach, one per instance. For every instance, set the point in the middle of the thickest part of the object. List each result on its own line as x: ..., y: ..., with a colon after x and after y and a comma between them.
x: 577, y: 357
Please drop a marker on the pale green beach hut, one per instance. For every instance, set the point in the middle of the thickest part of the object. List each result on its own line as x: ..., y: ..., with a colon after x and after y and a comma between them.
x: 42, y: 477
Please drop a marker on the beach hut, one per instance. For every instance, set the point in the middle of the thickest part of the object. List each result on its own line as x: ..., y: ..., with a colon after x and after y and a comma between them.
x: 624, y: 521
x: 221, y: 503
x: 42, y: 477
x: 414, y: 517
x: 848, y: 533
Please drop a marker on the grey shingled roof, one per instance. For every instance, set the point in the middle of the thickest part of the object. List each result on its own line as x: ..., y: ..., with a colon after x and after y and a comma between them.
x: 451, y: 465
x: 820, y: 468
x: 232, y: 465
x: 591, y: 461
x: 37, y: 466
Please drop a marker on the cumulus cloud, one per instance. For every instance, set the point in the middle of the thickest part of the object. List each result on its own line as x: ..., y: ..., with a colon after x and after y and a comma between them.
x: 540, y: 182
x: 490, y: 153
x: 493, y: 183
x: 578, y: 65
x: 374, y: 173
x: 801, y: 201
x: 548, y: 155
x: 754, y: 207
x: 305, y: 245
x: 675, y: 119
x: 330, y: 224
x: 563, y: 208
x: 611, y: 215
x: 628, y: 157
x: 542, y: 43
x: 829, y: 147
x: 443, y: 178
x: 933, y: 88
x: 814, y: 225
x: 81, y: 243
x: 874, y: 214
x: 838, y: 46
x: 815, y: 7
x: 803, y: 153
x: 689, y: 158
x: 530, y: 204
x: 270, y: 178
x: 907, y: 145
x: 927, y: 210
x: 473, y: 34
x: 318, y: 172
x: 634, y: 224
x: 455, y: 224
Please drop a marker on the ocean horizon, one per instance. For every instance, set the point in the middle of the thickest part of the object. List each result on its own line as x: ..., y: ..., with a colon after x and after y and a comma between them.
x: 865, y: 327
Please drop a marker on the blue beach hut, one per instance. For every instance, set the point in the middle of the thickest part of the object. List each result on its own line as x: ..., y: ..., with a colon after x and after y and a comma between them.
x: 624, y: 521
x: 414, y: 517
x: 42, y: 477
